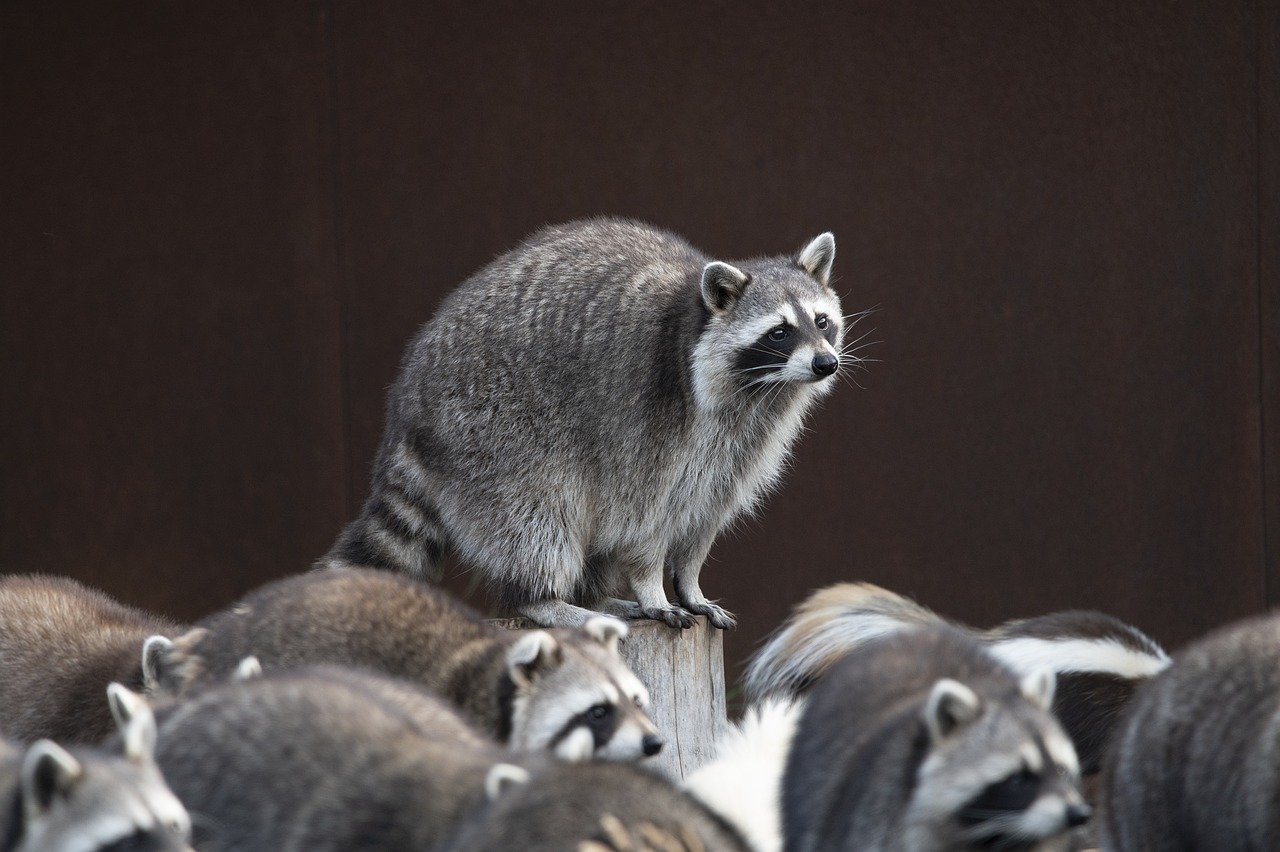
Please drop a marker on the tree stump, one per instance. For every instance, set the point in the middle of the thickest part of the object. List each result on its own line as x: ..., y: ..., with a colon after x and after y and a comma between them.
x: 684, y: 671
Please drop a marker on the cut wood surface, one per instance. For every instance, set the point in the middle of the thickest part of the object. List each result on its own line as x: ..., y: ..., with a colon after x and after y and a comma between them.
x: 684, y: 671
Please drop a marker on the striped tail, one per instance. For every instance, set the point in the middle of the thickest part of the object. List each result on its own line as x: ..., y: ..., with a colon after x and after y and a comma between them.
x: 825, y: 627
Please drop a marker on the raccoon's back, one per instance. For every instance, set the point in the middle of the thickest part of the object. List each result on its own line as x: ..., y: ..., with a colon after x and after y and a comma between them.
x: 588, y: 320
x: 1196, y: 763
x: 321, y: 759
x: 61, y: 643
x: 607, y: 803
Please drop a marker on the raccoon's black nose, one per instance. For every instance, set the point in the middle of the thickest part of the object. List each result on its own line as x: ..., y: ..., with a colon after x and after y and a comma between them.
x: 652, y: 744
x: 825, y: 364
x: 1078, y: 815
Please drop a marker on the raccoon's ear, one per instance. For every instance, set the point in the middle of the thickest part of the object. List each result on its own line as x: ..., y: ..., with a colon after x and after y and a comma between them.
x: 48, y: 770
x: 502, y: 777
x: 168, y: 665
x: 606, y: 630
x: 135, y: 720
x: 818, y: 257
x: 950, y: 705
x: 1039, y: 687
x: 248, y: 668
x: 533, y: 654
x: 722, y: 285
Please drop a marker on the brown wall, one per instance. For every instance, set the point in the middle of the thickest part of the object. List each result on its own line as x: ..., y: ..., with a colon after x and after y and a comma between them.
x: 219, y: 227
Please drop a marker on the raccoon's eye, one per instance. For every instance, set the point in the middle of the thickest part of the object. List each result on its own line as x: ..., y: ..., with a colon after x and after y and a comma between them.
x: 821, y: 321
x: 780, y: 332
x: 638, y: 701
x: 599, y: 711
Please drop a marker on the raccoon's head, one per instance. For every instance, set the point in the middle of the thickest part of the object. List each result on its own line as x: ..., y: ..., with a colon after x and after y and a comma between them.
x: 773, y: 321
x: 575, y: 697
x: 997, y: 773
x: 91, y: 802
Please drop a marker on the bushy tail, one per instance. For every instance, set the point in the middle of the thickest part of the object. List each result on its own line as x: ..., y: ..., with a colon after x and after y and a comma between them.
x: 743, y: 784
x: 829, y: 624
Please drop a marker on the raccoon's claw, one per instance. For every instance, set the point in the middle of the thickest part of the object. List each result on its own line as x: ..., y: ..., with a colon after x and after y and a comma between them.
x: 719, y: 617
x: 672, y: 616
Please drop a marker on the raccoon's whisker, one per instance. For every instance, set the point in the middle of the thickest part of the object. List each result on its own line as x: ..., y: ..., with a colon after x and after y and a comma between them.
x: 856, y: 339
x: 863, y: 346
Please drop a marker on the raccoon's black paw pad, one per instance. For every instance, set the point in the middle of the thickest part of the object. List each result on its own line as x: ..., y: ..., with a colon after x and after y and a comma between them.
x: 672, y: 616
x: 719, y: 617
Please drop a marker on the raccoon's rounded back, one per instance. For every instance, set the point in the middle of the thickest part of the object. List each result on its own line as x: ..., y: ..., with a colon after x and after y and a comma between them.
x: 855, y: 753
x: 61, y: 643
x: 574, y: 803
x: 1196, y: 762
x: 322, y: 759
x: 363, y: 617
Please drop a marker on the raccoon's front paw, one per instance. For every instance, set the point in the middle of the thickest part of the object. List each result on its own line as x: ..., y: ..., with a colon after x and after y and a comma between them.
x: 717, y: 615
x: 672, y: 616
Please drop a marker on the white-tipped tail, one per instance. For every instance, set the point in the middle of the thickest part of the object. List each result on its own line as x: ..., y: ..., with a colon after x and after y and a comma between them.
x: 743, y: 784
x: 826, y: 626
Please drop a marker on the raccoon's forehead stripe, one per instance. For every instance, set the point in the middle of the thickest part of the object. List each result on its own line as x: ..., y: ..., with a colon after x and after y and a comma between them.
x: 1026, y: 654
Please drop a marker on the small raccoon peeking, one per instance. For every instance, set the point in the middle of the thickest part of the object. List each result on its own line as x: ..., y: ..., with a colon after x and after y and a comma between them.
x: 589, y: 411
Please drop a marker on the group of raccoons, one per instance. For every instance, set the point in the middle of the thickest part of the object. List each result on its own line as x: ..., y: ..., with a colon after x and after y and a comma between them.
x: 579, y: 420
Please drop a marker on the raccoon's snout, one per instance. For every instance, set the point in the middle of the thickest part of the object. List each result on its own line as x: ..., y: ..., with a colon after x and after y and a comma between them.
x: 1078, y: 815
x: 825, y: 364
x: 651, y: 744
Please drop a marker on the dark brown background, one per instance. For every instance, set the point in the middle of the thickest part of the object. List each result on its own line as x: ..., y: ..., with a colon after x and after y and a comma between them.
x: 218, y: 227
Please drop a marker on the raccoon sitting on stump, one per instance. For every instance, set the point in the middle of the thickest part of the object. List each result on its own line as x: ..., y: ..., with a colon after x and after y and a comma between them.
x: 593, y: 408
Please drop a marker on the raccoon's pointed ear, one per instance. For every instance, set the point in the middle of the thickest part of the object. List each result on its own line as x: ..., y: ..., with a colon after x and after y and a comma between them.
x: 533, y: 654
x: 818, y: 257
x: 606, y: 630
x: 248, y: 669
x: 502, y: 777
x: 722, y: 285
x: 950, y: 705
x: 48, y: 770
x: 136, y: 721
x: 168, y: 665
x: 1039, y: 687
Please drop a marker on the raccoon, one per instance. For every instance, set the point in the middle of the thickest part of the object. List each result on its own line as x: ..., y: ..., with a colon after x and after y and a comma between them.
x: 564, y: 690
x: 596, y: 806
x: 86, y: 800
x: 325, y: 758
x: 60, y: 645
x: 921, y: 740
x: 591, y: 407
x: 1195, y: 764
x: 1098, y: 659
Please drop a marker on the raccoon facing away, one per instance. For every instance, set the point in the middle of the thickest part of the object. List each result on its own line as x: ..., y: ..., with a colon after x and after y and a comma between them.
x: 325, y: 760
x: 921, y: 740
x: 591, y: 407
x: 61, y: 643
x: 594, y: 807
x: 1196, y: 763
x: 1099, y: 660
x: 86, y: 800
x: 565, y: 690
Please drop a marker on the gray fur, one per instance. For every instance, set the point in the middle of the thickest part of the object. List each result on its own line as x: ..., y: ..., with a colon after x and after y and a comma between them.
x: 522, y: 687
x: 598, y: 807
x: 574, y: 418
x: 1099, y: 660
x: 900, y: 741
x: 1196, y: 763
x: 82, y: 800
x: 323, y: 759
x: 61, y: 643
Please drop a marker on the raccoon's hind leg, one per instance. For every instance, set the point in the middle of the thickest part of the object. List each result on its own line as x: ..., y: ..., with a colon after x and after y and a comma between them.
x: 645, y: 578
x: 686, y: 560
